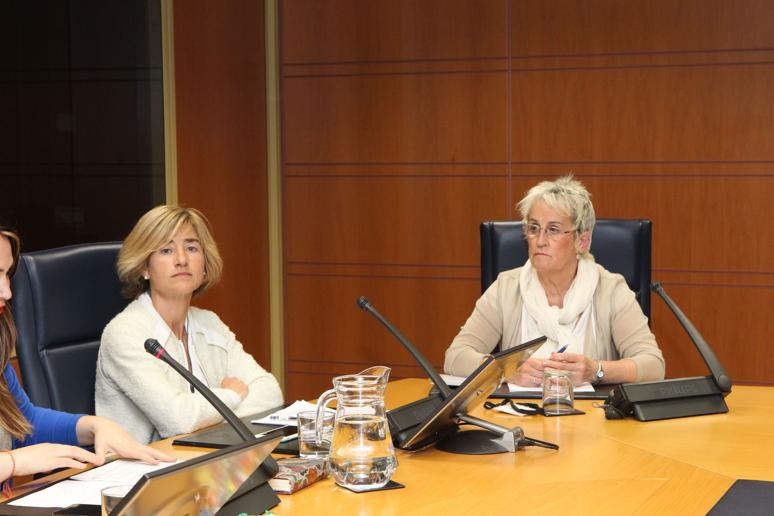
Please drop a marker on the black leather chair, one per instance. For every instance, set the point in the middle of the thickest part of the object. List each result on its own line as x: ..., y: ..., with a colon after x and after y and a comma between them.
x: 62, y: 300
x: 622, y: 246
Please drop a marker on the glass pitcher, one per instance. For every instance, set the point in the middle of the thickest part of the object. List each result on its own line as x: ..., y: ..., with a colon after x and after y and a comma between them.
x: 361, y: 456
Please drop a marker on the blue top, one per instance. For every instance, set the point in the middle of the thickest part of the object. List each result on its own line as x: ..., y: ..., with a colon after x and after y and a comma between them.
x: 48, y: 426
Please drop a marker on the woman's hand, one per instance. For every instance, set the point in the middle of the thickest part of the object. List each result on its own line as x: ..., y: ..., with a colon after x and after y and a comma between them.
x: 108, y: 436
x: 40, y: 458
x: 236, y: 385
x: 530, y: 374
x: 582, y: 368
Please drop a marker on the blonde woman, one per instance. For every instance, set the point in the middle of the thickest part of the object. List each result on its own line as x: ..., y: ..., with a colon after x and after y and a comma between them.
x: 168, y: 258
x: 595, y: 327
x: 35, y: 439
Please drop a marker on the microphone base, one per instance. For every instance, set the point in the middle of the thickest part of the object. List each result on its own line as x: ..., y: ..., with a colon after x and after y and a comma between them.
x: 254, y: 501
x: 667, y: 399
x: 674, y: 408
x: 405, y: 420
x: 472, y: 442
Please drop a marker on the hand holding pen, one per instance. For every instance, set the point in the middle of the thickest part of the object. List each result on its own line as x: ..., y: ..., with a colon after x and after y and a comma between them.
x: 575, y: 363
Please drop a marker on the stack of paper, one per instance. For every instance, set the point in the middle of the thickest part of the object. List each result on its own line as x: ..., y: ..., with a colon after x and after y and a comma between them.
x: 85, y: 488
x: 286, y: 416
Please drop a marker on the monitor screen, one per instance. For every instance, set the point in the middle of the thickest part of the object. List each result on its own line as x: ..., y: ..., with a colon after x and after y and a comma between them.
x: 470, y: 395
x: 198, y: 486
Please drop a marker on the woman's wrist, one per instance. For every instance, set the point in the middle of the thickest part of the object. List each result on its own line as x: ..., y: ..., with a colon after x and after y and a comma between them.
x: 597, y: 372
x: 8, y: 468
x: 85, y: 429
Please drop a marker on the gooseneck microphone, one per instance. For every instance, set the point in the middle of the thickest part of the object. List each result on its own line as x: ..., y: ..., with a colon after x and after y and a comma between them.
x: 676, y: 397
x: 718, y: 372
x: 153, y: 347
x: 366, y: 305
x: 405, y: 420
x: 254, y: 494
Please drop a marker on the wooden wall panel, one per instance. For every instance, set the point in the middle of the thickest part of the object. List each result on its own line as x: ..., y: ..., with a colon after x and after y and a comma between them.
x: 571, y: 27
x: 662, y: 108
x: 648, y: 113
x: 336, y: 31
x: 340, y: 338
x: 432, y: 221
x: 221, y: 138
x: 374, y: 119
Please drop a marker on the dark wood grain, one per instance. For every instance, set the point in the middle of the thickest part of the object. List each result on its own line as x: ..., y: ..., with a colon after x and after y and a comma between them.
x: 221, y: 138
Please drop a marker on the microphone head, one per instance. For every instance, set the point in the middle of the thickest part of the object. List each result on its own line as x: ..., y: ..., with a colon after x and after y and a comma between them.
x: 363, y: 303
x: 153, y: 347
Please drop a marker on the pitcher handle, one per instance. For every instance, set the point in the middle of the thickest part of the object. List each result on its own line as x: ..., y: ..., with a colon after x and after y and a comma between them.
x: 322, y: 401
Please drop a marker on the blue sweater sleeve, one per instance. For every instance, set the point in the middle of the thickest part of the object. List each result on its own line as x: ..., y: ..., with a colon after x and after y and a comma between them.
x: 48, y: 426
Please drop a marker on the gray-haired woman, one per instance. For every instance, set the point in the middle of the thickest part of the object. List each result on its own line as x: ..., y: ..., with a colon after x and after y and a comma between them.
x: 595, y: 327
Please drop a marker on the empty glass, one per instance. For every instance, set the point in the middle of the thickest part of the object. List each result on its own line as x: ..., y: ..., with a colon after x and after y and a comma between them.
x: 112, y: 496
x: 558, y: 392
x: 308, y: 447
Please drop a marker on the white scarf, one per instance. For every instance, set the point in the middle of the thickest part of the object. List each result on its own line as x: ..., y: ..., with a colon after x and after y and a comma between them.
x: 566, y: 326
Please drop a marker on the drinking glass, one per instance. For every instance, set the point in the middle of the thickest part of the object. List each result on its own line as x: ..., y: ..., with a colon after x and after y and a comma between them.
x: 112, y: 496
x: 308, y: 447
x: 558, y: 392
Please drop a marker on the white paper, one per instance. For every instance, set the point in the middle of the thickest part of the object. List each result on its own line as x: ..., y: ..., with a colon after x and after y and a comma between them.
x: 286, y: 416
x: 85, y: 488
x: 454, y: 381
x: 65, y: 494
x: 121, y: 471
x: 583, y: 387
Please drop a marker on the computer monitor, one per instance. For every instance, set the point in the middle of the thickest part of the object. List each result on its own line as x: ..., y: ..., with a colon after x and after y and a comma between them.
x: 470, y: 395
x: 202, y: 485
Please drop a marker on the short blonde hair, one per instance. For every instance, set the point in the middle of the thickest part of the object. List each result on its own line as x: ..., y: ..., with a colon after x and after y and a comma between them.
x: 564, y: 194
x: 153, y: 230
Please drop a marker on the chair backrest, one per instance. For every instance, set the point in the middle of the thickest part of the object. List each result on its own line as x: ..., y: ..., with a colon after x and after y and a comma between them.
x: 621, y: 246
x: 62, y: 300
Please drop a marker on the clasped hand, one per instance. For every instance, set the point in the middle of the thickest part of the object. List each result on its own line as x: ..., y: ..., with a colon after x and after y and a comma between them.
x: 530, y: 374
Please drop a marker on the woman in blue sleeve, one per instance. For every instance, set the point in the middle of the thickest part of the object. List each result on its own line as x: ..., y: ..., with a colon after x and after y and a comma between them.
x: 35, y: 439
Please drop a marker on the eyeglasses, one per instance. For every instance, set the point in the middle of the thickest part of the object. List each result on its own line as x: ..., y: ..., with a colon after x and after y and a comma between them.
x: 552, y: 232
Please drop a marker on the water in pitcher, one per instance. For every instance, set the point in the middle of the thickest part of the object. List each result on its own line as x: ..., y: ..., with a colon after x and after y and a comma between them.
x: 362, y: 455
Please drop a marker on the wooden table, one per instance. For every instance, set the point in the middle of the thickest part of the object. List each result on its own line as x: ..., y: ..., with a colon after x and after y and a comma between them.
x: 678, y: 466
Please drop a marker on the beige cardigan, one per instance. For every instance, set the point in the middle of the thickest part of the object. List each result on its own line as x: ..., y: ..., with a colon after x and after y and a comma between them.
x: 622, y: 328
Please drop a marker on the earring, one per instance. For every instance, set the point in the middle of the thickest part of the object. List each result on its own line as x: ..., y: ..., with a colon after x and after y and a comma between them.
x: 146, y: 277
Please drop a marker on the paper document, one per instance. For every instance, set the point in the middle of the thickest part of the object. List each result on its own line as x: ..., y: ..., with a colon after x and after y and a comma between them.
x: 286, y: 416
x: 121, y: 471
x: 85, y: 488
x: 583, y: 387
x: 65, y: 494
x: 454, y: 381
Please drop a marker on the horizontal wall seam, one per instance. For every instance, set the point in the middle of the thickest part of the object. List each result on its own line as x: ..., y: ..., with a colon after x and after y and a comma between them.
x: 532, y: 56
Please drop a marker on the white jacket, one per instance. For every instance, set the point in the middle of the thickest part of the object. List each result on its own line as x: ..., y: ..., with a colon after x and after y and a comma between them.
x: 149, y: 399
